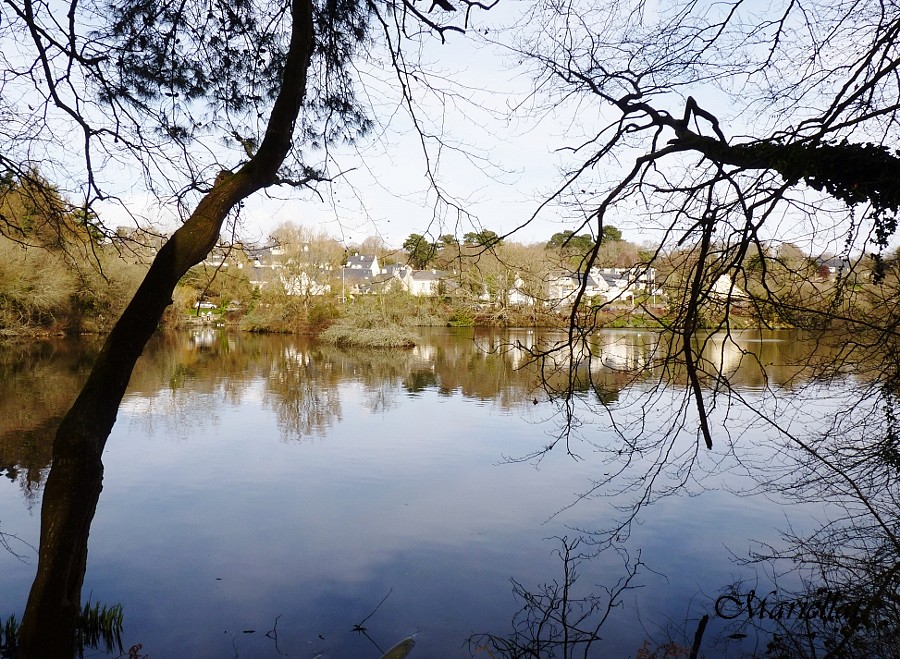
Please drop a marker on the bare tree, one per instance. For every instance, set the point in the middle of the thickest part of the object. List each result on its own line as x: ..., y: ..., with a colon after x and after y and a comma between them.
x: 731, y: 133
x: 815, y: 162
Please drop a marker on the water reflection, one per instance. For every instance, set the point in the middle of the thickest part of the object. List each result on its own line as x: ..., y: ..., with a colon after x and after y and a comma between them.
x: 38, y: 382
x: 406, y: 482
x: 299, y: 380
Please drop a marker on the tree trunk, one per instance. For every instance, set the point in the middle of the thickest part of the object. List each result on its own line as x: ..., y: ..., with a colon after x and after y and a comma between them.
x: 75, y: 480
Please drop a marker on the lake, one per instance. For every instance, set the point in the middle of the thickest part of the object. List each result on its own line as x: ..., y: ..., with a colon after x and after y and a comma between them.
x: 267, y: 496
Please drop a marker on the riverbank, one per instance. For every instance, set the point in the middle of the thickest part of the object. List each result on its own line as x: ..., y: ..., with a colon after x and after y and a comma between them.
x: 388, y: 319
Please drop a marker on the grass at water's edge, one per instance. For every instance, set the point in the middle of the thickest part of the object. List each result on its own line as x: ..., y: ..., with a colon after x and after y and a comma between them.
x: 390, y: 336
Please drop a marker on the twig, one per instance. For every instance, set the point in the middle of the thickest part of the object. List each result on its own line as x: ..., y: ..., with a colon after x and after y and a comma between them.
x: 273, y: 634
x: 359, y: 626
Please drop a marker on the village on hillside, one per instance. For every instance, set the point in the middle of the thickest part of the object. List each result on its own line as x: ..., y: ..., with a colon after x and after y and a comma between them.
x: 486, y: 274
x: 470, y: 278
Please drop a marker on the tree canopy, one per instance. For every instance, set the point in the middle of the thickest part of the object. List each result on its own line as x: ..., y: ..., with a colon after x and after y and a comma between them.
x: 568, y: 240
x: 420, y: 250
x: 482, y: 238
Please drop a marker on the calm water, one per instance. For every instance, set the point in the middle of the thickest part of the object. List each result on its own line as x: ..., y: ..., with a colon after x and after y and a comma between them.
x: 263, y: 494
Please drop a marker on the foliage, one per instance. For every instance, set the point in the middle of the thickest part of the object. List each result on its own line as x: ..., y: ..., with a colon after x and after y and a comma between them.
x: 218, y: 285
x: 301, y: 246
x: 104, y: 287
x: 567, y: 240
x: 290, y: 314
x: 54, y: 274
x: 35, y: 288
x: 483, y: 238
x: 34, y: 213
x: 575, y: 250
x: 41, y: 290
x: 9, y: 635
x: 420, y: 250
x: 98, y: 627
x: 382, y: 336
x: 611, y: 234
x: 461, y: 318
x: 379, y: 321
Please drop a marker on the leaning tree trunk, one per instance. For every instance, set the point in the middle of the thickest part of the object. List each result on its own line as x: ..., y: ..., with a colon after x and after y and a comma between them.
x: 75, y: 480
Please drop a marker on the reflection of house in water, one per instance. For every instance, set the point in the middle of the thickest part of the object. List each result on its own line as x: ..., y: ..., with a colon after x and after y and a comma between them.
x: 292, y: 354
x: 424, y: 352
x: 203, y: 339
x: 516, y: 345
x: 492, y: 343
x: 726, y: 353
x: 523, y: 347
x: 613, y: 350
x: 627, y: 352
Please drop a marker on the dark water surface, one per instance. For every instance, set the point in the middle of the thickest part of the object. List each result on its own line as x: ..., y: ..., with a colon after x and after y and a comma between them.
x: 263, y: 495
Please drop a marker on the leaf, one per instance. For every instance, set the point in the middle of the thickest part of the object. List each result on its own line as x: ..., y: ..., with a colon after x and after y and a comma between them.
x: 401, y: 650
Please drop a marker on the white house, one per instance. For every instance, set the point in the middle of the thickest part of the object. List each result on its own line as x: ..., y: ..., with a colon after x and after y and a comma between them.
x: 518, y: 297
x: 425, y: 283
x: 562, y: 287
x: 725, y: 290
x: 617, y: 286
x: 359, y: 262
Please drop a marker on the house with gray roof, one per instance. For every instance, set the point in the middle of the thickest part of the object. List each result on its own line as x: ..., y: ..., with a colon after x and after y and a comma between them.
x: 362, y: 262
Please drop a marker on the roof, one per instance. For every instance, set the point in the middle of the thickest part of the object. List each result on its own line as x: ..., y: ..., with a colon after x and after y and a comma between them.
x: 396, y: 268
x: 361, y: 261
x: 356, y: 275
x: 428, y: 275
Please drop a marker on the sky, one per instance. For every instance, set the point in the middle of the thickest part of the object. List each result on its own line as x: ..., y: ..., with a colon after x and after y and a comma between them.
x: 502, y: 154
x: 498, y: 163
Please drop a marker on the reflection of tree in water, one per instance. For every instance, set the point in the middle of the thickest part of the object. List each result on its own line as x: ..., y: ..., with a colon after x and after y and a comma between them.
x: 481, y: 367
x: 809, y: 421
x: 820, y: 620
x: 419, y: 380
x: 840, y: 452
x: 378, y: 371
x: 850, y: 463
x: 38, y: 382
x: 557, y: 618
x: 443, y: 362
x: 302, y: 389
x: 182, y: 379
x: 848, y: 565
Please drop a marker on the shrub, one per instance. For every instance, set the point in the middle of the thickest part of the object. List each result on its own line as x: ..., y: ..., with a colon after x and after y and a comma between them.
x: 389, y: 336
x: 372, y: 322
